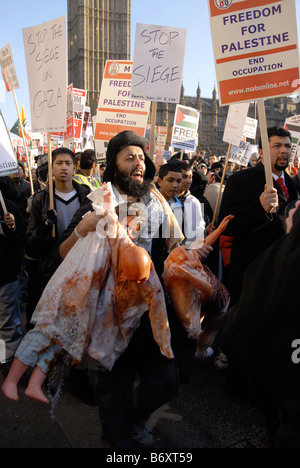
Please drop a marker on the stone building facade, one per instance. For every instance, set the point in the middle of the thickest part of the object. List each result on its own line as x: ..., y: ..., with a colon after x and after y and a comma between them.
x: 98, y: 30
x: 213, y: 117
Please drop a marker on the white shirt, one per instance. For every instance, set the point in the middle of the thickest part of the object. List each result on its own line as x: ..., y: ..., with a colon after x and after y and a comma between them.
x: 192, y: 222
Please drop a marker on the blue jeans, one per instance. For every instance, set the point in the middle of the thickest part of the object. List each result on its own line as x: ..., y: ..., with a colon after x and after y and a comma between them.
x: 10, y: 321
x: 37, y: 349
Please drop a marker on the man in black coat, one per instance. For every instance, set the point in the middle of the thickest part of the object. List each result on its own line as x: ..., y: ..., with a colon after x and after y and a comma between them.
x: 256, y: 224
x: 261, y: 336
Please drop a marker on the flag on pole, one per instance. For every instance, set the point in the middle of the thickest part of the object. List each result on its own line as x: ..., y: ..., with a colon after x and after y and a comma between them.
x: 16, y: 130
x: 24, y: 121
x: 187, y: 117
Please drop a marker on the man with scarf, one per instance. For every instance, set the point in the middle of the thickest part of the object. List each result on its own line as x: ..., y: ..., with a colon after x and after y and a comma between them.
x: 131, y: 173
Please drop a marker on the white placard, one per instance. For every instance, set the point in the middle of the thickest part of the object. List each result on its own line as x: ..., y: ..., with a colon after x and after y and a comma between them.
x: 117, y: 110
x: 158, y: 63
x: 8, y: 161
x: 255, y: 48
x: 8, y: 69
x: 185, y: 128
x: 250, y: 128
x: 241, y: 154
x: 235, y: 123
x: 46, y: 59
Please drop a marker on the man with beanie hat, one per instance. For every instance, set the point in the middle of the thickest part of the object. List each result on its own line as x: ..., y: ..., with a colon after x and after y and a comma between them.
x: 131, y: 173
x: 22, y: 188
x: 41, y: 172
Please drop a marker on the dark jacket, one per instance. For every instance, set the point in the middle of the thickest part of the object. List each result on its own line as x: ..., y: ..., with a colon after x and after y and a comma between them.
x: 296, y: 179
x: 253, y: 230
x: 11, y: 244
x: 262, y: 326
x: 39, y: 240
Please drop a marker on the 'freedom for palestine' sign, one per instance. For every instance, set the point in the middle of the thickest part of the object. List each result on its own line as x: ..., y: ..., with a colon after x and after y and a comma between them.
x: 255, y: 48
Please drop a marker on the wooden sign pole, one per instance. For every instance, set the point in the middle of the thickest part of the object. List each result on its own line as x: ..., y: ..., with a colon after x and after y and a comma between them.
x: 153, y: 125
x: 3, y: 203
x: 265, y: 142
x: 221, y: 186
x: 24, y: 143
x: 50, y: 176
x: 50, y: 179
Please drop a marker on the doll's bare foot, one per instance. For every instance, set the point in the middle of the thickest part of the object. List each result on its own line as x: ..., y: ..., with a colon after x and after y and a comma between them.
x: 36, y: 393
x: 34, y: 389
x: 10, y: 390
x: 203, y: 351
x: 9, y: 387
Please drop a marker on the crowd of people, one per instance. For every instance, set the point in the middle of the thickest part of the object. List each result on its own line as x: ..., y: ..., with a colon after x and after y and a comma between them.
x: 239, y: 277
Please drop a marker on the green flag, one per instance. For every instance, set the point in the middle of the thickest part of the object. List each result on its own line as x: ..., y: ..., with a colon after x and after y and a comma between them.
x: 16, y: 128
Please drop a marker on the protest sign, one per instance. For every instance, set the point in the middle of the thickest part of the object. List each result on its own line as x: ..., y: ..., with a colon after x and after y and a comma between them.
x: 234, y: 127
x: 87, y: 111
x: 117, y: 110
x: 46, y: 60
x: 11, y: 83
x: 76, y: 100
x: 8, y: 69
x: 235, y: 123
x: 255, y: 48
x: 69, y: 134
x: 161, y: 140
x: 185, y: 128
x: 158, y: 63
x: 292, y: 124
x: 8, y: 160
x: 250, y: 129
x: 241, y: 154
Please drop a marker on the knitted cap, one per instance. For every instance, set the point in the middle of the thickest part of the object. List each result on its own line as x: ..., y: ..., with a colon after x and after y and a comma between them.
x: 116, y: 144
x: 41, y: 159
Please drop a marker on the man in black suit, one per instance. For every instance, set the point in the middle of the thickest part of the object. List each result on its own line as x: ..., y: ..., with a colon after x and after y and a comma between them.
x: 258, y: 211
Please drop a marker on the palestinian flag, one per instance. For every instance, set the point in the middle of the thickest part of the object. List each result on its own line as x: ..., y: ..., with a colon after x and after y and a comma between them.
x: 294, y: 130
x: 187, y: 117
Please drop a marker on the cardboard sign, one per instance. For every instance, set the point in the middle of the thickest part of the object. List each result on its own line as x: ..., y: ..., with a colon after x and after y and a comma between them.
x: 8, y: 69
x: 250, y: 129
x: 292, y: 124
x: 255, y: 48
x: 8, y: 160
x: 46, y: 59
x: 117, y: 110
x: 161, y: 140
x: 76, y: 100
x: 235, y: 123
x: 69, y: 134
x: 241, y: 154
x: 185, y: 128
x: 79, y: 96
x: 158, y: 63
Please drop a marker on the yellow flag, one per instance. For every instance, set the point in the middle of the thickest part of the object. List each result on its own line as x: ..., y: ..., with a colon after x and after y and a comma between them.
x: 23, y: 120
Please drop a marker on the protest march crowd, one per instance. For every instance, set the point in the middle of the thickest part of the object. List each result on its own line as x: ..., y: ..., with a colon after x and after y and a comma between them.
x: 137, y: 258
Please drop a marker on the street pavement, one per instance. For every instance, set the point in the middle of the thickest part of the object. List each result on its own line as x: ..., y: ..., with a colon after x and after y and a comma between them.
x: 203, y: 415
